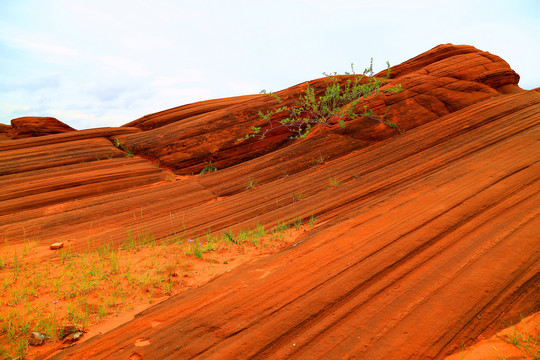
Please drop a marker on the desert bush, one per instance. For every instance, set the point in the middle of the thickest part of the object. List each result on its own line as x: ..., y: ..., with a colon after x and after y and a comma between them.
x: 338, y: 101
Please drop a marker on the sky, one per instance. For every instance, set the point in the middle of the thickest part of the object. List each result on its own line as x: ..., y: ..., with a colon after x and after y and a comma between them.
x: 107, y: 62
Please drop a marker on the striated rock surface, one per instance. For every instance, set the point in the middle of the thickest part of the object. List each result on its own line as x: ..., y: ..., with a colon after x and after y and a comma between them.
x: 429, y: 241
x: 32, y: 126
x: 438, y: 82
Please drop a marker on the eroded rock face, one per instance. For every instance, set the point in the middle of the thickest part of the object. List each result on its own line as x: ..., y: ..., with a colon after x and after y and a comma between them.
x: 3, y: 132
x: 33, y: 126
x: 438, y: 82
x: 460, y: 62
x: 429, y: 241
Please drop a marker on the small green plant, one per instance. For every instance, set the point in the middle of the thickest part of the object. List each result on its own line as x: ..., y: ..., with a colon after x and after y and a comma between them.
x: 312, y: 218
x: 334, y: 182
x: 391, y: 124
x: 197, y: 252
x: 297, y: 197
x: 524, y: 341
x: 298, y: 223
x: 16, y: 265
x: 129, y: 244
x: 259, y: 231
x: 243, y: 236
x: 129, y: 152
x: 320, y: 159
x: 338, y: 101
x: 251, y: 184
x: 208, y: 167
x: 103, y: 310
x: 229, y: 237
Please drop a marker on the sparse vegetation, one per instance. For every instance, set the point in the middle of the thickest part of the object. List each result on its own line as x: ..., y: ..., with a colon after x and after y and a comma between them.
x: 297, y: 196
x: 337, y: 102
x: 77, y: 290
x: 525, y: 336
x: 319, y: 160
x: 525, y: 340
x: 333, y: 181
x: 127, y: 150
x: 208, y: 167
x: 251, y: 184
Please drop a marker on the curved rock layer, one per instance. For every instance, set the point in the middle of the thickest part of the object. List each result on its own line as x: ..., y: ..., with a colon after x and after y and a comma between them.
x: 430, y: 241
x: 423, y: 242
x: 32, y: 126
x: 438, y: 82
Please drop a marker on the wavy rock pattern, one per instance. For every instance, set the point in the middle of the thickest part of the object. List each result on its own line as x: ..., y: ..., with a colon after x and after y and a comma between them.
x: 430, y: 240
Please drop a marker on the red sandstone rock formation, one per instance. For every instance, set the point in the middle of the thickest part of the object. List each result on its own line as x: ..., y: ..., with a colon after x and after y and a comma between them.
x: 430, y: 240
x: 438, y: 82
x: 32, y: 126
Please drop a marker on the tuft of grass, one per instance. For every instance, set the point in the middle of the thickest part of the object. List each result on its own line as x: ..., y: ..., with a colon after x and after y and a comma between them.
x: 312, y: 218
x: 297, y: 197
x: 333, y: 182
x: 298, y: 223
x: 321, y: 159
x: 251, y: 184
x: 229, y: 237
x: 208, y: 168
x: 525, y: 341
x: 128, y: 151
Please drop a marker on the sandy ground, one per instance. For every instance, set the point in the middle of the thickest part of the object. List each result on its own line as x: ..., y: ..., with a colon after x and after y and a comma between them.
x: 520, y: 341
x: 192, y: 273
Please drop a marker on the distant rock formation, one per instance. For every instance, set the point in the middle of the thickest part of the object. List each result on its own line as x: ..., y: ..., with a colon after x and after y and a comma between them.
x: 32, y: 126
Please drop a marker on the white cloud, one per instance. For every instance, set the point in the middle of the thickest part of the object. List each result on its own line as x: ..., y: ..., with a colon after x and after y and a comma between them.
x: 181, y: 78
x: 243, y: 87
x: 183, y: 95
x: 82, y: 120
x: 118, y: 65
x: 53, y: 49
x: 370, y: 4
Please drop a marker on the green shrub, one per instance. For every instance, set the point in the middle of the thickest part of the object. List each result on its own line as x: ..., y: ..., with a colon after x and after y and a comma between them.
x: 208, y: 167
x: 337, y: 101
